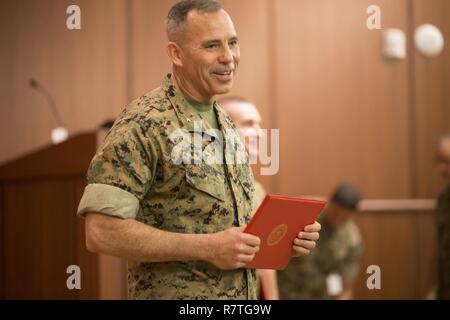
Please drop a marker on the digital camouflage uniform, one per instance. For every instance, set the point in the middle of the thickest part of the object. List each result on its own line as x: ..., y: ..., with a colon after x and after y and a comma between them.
x: 443, y: 230
x: 133, y: 176
x: 337, y: 252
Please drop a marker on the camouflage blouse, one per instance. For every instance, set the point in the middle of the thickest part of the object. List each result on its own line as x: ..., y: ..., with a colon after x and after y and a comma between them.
x: 157, y: 166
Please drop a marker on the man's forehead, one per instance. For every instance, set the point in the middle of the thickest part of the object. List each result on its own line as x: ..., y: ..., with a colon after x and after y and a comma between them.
x: 209, y: 25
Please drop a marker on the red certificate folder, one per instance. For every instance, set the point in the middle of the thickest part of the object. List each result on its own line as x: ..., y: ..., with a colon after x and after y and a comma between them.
x: 277, y: 223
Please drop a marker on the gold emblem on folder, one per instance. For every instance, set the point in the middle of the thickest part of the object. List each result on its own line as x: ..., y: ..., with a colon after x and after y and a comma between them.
x: 277, y: 234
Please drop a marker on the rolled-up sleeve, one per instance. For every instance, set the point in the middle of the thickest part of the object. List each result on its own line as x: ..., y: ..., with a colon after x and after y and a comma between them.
x: 108, y: 200
x: 120, y: 174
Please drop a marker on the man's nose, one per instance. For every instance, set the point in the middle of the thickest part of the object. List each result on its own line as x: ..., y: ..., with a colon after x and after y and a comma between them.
x: 227, y: 55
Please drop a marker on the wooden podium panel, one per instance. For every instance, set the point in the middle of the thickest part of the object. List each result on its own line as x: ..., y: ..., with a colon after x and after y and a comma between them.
x: 41, y: 236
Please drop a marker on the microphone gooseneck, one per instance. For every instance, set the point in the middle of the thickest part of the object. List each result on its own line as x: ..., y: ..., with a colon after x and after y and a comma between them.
x: 51, y: 103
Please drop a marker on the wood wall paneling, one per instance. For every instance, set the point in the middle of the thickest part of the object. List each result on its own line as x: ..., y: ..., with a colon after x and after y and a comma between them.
x: 426, y: 251
x: 343, y: 111
x: 403, y: 245
x: 391, y: 243
x: 432, y: 99
x: 149, y: 59
x: 89, y: 72
x: 85, y: 70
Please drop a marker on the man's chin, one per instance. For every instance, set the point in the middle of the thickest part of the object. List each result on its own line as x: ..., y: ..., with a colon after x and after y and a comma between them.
x: 223, y: 89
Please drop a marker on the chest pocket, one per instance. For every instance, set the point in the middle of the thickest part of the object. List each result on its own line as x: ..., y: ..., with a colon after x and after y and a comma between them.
x: 206, y: 179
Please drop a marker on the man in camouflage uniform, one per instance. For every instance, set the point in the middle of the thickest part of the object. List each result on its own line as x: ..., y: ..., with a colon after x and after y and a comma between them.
x: 329, y: 271
x: 443, y: 220
x: 247, y: 119
x: 179, y: 221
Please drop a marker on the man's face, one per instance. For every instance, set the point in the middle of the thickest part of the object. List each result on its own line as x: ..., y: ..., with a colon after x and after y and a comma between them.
x: 338, y: 215
x: 248, y: 122
x: 443, y: 159
x: 209, y: 53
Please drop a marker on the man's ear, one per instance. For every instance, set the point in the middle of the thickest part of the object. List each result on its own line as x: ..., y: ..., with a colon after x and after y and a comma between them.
x: 174, y: 52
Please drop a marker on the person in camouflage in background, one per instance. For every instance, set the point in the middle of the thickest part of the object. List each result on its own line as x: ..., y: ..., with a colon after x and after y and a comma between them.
x: 329, y: 272
x: 180, y: 223
x: 443, y: 220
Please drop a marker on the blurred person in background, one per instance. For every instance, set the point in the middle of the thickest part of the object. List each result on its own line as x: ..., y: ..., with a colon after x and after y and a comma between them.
x: 247, y: 119
x: 329, y: 272
x: 440, y: 283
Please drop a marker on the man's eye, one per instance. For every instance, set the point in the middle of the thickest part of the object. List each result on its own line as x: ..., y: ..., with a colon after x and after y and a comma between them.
x: 233, y: 43
x: 211, y: 46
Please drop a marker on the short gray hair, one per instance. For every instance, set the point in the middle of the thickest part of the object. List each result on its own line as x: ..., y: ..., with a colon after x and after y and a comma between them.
x: 177, y: 17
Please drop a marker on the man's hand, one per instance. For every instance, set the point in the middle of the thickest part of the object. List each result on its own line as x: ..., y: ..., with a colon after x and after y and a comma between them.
x: 306, y: 240
x: 232, y: 248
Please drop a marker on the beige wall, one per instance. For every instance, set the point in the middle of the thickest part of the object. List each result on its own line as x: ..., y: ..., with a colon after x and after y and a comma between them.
x: 339, y: 113
x: 86, y: 70
x: 431, y: 96
x: 312, y: 67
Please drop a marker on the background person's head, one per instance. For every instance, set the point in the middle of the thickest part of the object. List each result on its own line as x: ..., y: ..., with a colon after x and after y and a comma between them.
x: 443, y: 156
x: 247, y: 119
x: 343, y: 202
x: 203, y: 47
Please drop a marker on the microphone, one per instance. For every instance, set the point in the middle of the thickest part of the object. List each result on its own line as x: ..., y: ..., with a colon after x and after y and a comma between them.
x: 60, y: 133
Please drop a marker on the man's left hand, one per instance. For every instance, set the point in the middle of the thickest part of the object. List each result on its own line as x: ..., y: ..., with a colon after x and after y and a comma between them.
x: 306, y: 240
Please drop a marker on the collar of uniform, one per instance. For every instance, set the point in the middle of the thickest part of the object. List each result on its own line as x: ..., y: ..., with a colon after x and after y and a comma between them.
x: 179, y: 104
x: 184, y: 114
x: 222, y: 118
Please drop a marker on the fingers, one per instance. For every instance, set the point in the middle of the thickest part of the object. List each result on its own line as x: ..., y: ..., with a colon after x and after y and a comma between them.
x: 248, y: 250
x: 315, y: 227
x: 300, y: 251
x: 312, y: 236
x: 306, y: 240
x: 244, y: 258
x: 305, y: 243
x: 250, y: 239
x: 238, y: 248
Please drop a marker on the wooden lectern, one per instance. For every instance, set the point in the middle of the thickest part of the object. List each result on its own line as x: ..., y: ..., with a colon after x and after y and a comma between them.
x: 41, y: 236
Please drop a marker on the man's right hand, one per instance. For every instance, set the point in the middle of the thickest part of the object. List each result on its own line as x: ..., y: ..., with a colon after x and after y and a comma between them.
x: 232, y: 248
